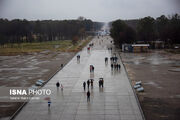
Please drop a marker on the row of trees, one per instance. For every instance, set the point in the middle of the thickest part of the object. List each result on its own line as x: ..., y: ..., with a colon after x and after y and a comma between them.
x: 19, y: 31
x: 148, y: 29
x: 162, y: 28
x: 121, y: 32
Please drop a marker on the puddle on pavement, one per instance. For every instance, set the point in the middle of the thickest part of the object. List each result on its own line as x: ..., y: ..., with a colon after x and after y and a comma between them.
x: 148, y: 58
x: 153, y: 84
x: 157, y: 59
x: 136, y: 62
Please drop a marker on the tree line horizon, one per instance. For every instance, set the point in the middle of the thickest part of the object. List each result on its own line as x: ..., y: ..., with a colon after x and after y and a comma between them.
x: 146, y: 30
x: 24, y: 31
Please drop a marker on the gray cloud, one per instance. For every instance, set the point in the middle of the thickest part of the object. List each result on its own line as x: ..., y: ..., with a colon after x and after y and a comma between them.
x: 98, y: 10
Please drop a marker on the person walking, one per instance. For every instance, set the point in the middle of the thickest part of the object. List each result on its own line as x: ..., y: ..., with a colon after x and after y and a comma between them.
x: 111, y: 59
x: 93, y: 68
x: 92, y: 83
x: 84, y: 85
x: 88, y: 83
x: 88, y: 96
x: 115, y: 58
x: 112, y: 66
x: 78, y: 57
x: 119, y: 66
x: 49, y: 103
x: 90, y: 68
x: 115, y: 66
x: 57, y: 84
x: 62, y: 87
x: 99, y: 83
x: 102, y: 83
x: 62, y: 65
x: 106, y: 59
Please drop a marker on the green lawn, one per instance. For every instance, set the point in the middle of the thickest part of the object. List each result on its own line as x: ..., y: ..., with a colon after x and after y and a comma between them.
x: 60, y: 45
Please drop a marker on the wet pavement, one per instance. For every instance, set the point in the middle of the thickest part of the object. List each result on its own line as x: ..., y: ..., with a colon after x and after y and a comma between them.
x: 116, y: 101
x: 158, y: 70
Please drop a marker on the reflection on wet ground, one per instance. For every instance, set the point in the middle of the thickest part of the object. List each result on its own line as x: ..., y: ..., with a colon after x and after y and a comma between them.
x: 29, y: 68
x: 159, y: 72
x: 25, y: 70
x: 153, y: 58
x: 115, y: 100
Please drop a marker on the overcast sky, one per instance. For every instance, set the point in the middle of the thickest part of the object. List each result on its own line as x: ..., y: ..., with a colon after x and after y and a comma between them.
x: 97, y: 10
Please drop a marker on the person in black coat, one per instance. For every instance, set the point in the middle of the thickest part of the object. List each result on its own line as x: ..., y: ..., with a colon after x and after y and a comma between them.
x: 112, y: 66
x: 84, y: 85
x: 88, y: 96
x: 57, y: 84
x: 92, y: 83
x: 88, y: 83
x: 119, y: 66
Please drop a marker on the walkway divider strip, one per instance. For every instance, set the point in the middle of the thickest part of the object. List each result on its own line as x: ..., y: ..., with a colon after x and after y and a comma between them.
x: 137, y: 99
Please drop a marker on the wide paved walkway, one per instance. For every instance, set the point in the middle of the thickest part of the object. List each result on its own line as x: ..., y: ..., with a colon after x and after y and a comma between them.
x: 115, y: 102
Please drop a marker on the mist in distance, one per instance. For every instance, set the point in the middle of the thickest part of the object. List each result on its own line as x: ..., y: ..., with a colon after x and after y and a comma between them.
x: 97, y: 10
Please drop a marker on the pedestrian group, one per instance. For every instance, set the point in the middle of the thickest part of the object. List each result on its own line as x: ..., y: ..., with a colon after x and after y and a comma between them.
x: 114, y: 66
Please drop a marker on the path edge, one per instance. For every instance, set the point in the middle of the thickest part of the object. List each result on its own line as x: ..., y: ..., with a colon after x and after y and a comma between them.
x: 137, y: 99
